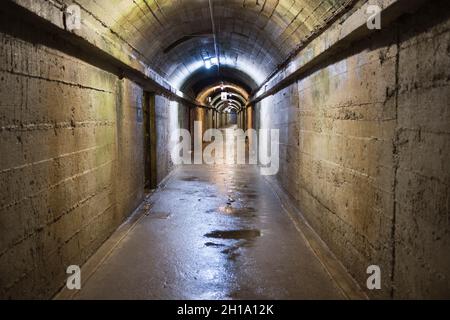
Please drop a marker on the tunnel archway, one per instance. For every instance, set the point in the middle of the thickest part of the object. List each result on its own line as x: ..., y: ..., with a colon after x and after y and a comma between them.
x: 253, y: 37
x: 90, y: 116
x: 228, y: 102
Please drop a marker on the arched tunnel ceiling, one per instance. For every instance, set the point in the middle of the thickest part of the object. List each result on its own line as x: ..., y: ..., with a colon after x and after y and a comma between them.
x: 203, y: 78
x: 211, y: 95
x: 253, y: 36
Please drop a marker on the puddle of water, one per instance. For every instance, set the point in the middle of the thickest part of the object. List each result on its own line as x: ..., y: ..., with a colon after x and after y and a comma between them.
x: 234, y: 234
x: 191, y: 178
x: 232, y: 255
x: 233, y: 251
x: 228, y: 209
x: 212, y: 244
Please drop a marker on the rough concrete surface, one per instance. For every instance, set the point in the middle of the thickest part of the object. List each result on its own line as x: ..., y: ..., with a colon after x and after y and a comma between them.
x: 364, y: 146
x: 364, y: 151
x: 71, y: 166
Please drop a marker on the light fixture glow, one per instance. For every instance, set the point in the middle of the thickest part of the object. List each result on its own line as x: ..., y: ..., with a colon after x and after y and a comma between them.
x: 179, y: 73
x: 210, y: 62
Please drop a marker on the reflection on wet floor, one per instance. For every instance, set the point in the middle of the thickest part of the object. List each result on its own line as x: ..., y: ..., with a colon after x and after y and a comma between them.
x: 228, y: 209
x: 212, y: 244
x: 213, y: 232
x: 244, y: 237
x: 234, y: 234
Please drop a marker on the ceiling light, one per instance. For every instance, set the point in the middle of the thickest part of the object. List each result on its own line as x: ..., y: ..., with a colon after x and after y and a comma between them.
x: 209, y: 62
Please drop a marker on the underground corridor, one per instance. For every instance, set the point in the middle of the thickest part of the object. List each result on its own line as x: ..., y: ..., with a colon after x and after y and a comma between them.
x: 224, y: 149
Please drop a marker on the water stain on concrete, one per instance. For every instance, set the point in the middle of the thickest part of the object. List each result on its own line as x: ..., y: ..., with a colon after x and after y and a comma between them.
x: 213, y: 244
x: 234, y: 250
x: 237, y: 211
x: 234, y: 234
x: 191, y: 178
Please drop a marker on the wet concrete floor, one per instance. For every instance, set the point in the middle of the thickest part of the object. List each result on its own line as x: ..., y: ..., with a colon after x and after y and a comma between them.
x: 212, y: 232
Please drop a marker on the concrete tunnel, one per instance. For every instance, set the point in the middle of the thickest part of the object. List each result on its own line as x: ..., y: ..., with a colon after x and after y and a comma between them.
x: 348, y: 100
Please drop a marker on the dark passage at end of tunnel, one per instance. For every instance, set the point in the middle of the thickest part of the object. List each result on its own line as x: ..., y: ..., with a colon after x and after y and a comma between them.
x: 341, y: 110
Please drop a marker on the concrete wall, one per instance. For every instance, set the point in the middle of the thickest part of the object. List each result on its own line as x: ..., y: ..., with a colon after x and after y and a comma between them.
x: 164, y: 112
x: 130, y: 148
x: 170, y: 116
x: 364, y: 148
x: 71, y: 163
